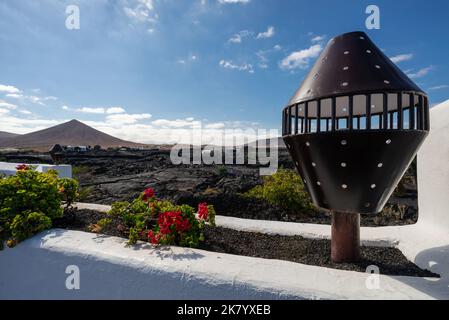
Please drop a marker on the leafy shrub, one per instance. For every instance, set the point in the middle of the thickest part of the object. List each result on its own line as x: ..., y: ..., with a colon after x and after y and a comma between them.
x: 284, y: 189
x: 68, y: 188
x: 78, y: 170
x: 162, y: 222
x: 100, y: 225
x: 29, y: 200
x: 85, y: 192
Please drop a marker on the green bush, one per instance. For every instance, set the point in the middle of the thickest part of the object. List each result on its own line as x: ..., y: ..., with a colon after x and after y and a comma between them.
x: 80, y: 170
x: 85, y: 192
x: 30, y: 200
x: 284, y: 189
x: 161, y: 222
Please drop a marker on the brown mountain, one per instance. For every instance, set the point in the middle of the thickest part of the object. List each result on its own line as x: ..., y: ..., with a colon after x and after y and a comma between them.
x: 73, y: 133
x: 6, y: 135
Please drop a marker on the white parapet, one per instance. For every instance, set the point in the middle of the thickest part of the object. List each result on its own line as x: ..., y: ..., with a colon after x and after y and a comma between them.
x: 107, y: 269
x: 64, y: 171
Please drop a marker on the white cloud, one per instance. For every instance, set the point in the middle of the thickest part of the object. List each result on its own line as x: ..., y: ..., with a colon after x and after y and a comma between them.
x: 26, y: 112
x: 318, y: 38
x: 217, y: 125
x: 277, y: 47
x: 176, y: 124
x: 65, y: 108
x: 238, y: 37
x: 191, y: 58
x: 91, y: 110
x: 263, y: 60
x: 401, y: 57
x: 14, y: 95
x: 300, y: 59
x: 267, y: 34
x: 22, y: 125
x: 141, y: 11
x: 233, y: 1
x: 420, y: 73
x: 39, y: 100
x: 4, y: 104
x: 8, y: 89
x: 239, y: 67
x: 115, y: 110
x: 35, y: 99
x: 3, y: 111
x: 444, y: 86
x: 124, y: 118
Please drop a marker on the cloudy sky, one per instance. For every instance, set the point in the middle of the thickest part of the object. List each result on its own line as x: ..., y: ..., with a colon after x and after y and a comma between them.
x: 142, y: 69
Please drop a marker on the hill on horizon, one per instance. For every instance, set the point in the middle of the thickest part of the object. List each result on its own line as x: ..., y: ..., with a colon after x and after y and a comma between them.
x: 73, y: 133
x: 6, y: 135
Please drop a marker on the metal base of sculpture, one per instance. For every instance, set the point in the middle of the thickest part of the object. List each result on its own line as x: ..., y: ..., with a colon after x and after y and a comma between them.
x: 345, y: 243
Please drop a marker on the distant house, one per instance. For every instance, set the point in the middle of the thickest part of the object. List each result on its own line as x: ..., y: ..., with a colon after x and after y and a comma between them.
x: 76, y: 148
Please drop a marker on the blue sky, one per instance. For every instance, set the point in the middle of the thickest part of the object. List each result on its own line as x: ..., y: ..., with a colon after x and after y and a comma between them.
x: 140, y: 69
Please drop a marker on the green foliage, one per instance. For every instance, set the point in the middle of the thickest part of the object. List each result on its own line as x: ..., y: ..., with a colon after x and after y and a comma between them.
x: 222, y: 171
x: 212, y: 215
x: 162, y: 222
x: 84, y: 192
x: 104, y: 223
x: 29, y: 223
x: 29, y: 200
x: 68, y: 188
x: 80, y: 170
x: 284, y: 189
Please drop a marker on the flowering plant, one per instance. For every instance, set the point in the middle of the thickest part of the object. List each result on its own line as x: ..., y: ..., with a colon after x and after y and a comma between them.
x: 162, y: 222
x: 22, y: 167
x: 30, y: 200
x: 148, y: 194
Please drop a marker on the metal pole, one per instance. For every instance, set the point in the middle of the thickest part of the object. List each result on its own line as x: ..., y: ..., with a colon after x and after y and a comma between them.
x: 345, y: 237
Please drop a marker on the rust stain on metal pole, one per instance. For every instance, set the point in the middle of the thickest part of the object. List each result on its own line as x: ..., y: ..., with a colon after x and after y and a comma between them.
x: 345, y: 243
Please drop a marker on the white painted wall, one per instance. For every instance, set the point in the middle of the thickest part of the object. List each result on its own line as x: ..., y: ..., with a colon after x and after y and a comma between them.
x: 64, y: 171
x: 433, y: 171
x: 108, y: 270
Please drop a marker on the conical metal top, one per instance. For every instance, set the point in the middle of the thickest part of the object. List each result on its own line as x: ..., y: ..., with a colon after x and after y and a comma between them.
x: 351, y: 64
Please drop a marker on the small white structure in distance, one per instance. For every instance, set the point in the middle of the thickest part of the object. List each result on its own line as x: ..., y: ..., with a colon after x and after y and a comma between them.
x: 64, y: 171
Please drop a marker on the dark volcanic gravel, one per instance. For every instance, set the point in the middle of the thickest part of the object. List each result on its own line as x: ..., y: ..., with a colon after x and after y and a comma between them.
x: 390, y: 261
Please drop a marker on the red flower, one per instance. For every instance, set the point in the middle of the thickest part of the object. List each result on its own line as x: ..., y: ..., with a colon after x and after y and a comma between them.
x: 148, y: 194
x: 182, y: 225
x: 165, y: 221
x: 154, y: 238
x: 203, y: 211
x: 168, y: 219
x: 22, y: 167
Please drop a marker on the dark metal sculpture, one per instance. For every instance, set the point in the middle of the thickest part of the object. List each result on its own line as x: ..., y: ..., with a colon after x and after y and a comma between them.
x: 352, y: 128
